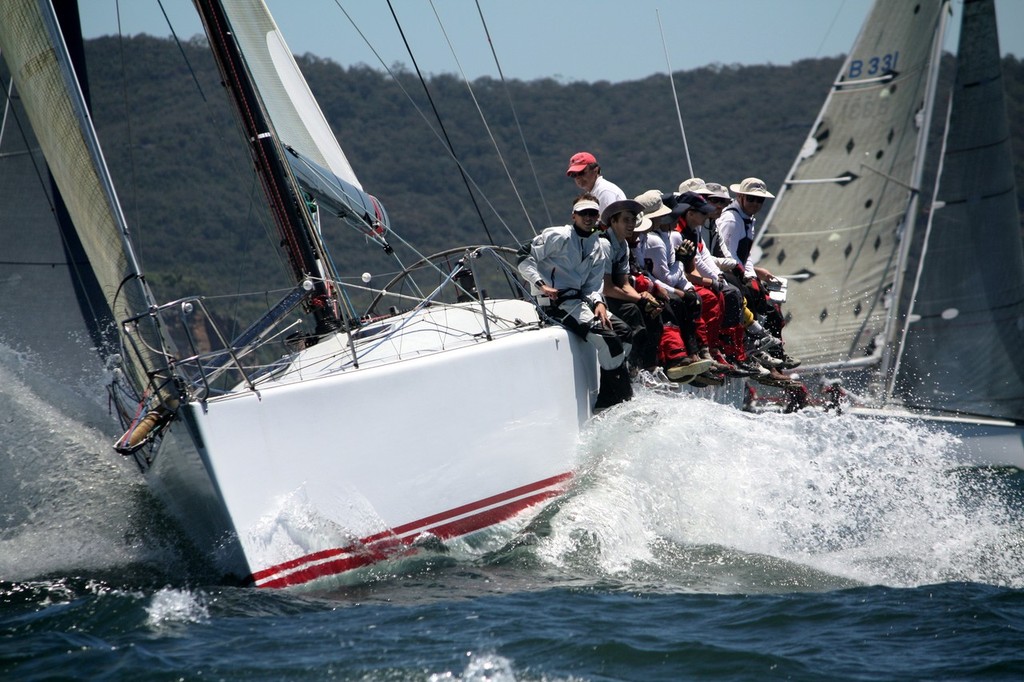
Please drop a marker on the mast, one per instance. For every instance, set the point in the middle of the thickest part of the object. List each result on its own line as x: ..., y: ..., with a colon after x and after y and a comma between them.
x: 293, y: 220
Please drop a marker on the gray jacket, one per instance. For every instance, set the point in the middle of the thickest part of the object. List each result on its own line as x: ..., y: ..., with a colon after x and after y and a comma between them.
x: 562, y: 259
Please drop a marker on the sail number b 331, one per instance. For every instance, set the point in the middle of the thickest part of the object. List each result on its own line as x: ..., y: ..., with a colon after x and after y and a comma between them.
x: 875, y: 66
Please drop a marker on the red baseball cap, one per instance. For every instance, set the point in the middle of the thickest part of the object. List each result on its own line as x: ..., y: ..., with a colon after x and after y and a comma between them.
x: 579, y: 161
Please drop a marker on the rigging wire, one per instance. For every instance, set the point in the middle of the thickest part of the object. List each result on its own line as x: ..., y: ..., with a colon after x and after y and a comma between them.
x: 253, y: 213
x: 515, y: 117
x: 127, y: 117
x: 675, y: 97
x: 177, y: 42
x: 440, y: 123
x: 483, y: 119
x: 426, y: 120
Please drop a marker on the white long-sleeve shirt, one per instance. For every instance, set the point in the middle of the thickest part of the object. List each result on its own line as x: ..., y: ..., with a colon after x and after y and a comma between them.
x: 658, y: 254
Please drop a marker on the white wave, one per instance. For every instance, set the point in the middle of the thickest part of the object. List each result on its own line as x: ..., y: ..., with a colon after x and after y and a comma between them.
x: 69, y: 503
x: 171, y: 606
x: 867, y: 501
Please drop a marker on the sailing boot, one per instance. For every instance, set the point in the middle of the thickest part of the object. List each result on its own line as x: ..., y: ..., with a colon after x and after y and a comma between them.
x: 615, y: 387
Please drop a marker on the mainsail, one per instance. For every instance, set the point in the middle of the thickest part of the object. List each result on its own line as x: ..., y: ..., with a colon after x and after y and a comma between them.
x: 316, y: 156
x: 962, y: 348
x: 840, y: 219
x: 43, y: 268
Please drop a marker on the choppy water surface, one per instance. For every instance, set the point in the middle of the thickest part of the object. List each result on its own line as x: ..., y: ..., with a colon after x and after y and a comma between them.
x: 699, y: 542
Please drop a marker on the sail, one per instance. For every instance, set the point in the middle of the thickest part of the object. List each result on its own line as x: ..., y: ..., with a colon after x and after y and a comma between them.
x: 296, y: 116
x: 963, y: 342
x: 837, y: 226
x: 34, y: 51
x: 49, y: 271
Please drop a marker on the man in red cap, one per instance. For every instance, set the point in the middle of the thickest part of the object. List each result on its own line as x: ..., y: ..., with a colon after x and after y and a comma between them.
x: 586, y: 173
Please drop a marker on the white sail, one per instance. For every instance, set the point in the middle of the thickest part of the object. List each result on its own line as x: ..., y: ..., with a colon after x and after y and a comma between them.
x: 296, y: 116
x: 962, y: 351
x: 34, y: 51
x: 837, y: 225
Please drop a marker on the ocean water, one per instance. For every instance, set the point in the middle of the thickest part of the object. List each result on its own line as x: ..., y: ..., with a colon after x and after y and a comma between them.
x: 698, y: 542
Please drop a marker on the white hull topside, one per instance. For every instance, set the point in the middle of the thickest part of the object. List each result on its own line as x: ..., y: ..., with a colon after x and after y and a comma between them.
x: 318, y: 476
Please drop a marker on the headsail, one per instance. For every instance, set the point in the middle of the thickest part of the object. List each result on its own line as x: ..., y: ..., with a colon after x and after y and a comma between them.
x: 33, y: 48
x: 962, y: 351
x: 48, y: 272
x: 297, y: 117
x: 837, y: 225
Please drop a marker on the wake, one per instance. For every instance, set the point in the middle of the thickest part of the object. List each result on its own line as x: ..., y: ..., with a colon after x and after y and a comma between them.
x: 691, y: 494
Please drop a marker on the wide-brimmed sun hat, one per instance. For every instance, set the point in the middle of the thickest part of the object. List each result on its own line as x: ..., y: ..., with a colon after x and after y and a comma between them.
x: 652, y: 204
x: 754, y: 186
x: 692, y: 185
x: 617, y: 207
x: 716, y: 190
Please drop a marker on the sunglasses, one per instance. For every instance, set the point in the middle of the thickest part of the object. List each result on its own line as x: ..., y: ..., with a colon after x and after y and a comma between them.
x: 577, y: 174
x: 589, y: 213
x: 718, y: 202
x: 753, y: 199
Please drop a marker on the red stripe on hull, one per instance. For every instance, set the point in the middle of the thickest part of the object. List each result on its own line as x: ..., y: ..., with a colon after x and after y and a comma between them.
x: 391, y: 543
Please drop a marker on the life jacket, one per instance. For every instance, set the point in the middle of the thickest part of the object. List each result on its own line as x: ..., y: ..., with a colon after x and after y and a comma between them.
x: 747, y: 243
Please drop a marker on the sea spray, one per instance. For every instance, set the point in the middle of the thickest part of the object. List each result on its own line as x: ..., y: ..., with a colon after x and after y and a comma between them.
x: 69, y: 504
x: 691, y: 492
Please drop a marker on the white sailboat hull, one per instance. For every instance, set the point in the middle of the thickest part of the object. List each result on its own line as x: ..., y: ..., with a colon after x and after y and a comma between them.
x: 318, y: 477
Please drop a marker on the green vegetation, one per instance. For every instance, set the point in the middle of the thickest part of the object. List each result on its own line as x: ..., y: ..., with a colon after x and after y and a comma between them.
x: 188, y: 189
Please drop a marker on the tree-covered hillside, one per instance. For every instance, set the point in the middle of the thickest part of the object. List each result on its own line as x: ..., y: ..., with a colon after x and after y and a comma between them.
x: 190, y: 194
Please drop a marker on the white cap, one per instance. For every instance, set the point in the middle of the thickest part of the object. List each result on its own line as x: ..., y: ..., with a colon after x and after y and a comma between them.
x: 585, y: 205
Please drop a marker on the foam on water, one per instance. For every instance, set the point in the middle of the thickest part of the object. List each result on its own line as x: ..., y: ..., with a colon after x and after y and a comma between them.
x: 687, y: 491
x: 168, y: 607
x: 69, y: 504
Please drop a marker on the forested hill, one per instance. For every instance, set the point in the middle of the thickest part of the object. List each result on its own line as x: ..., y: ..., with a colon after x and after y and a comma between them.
x: 186, y: 182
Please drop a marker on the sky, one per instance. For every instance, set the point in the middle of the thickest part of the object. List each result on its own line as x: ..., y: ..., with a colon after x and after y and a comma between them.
x: 569, y: 40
